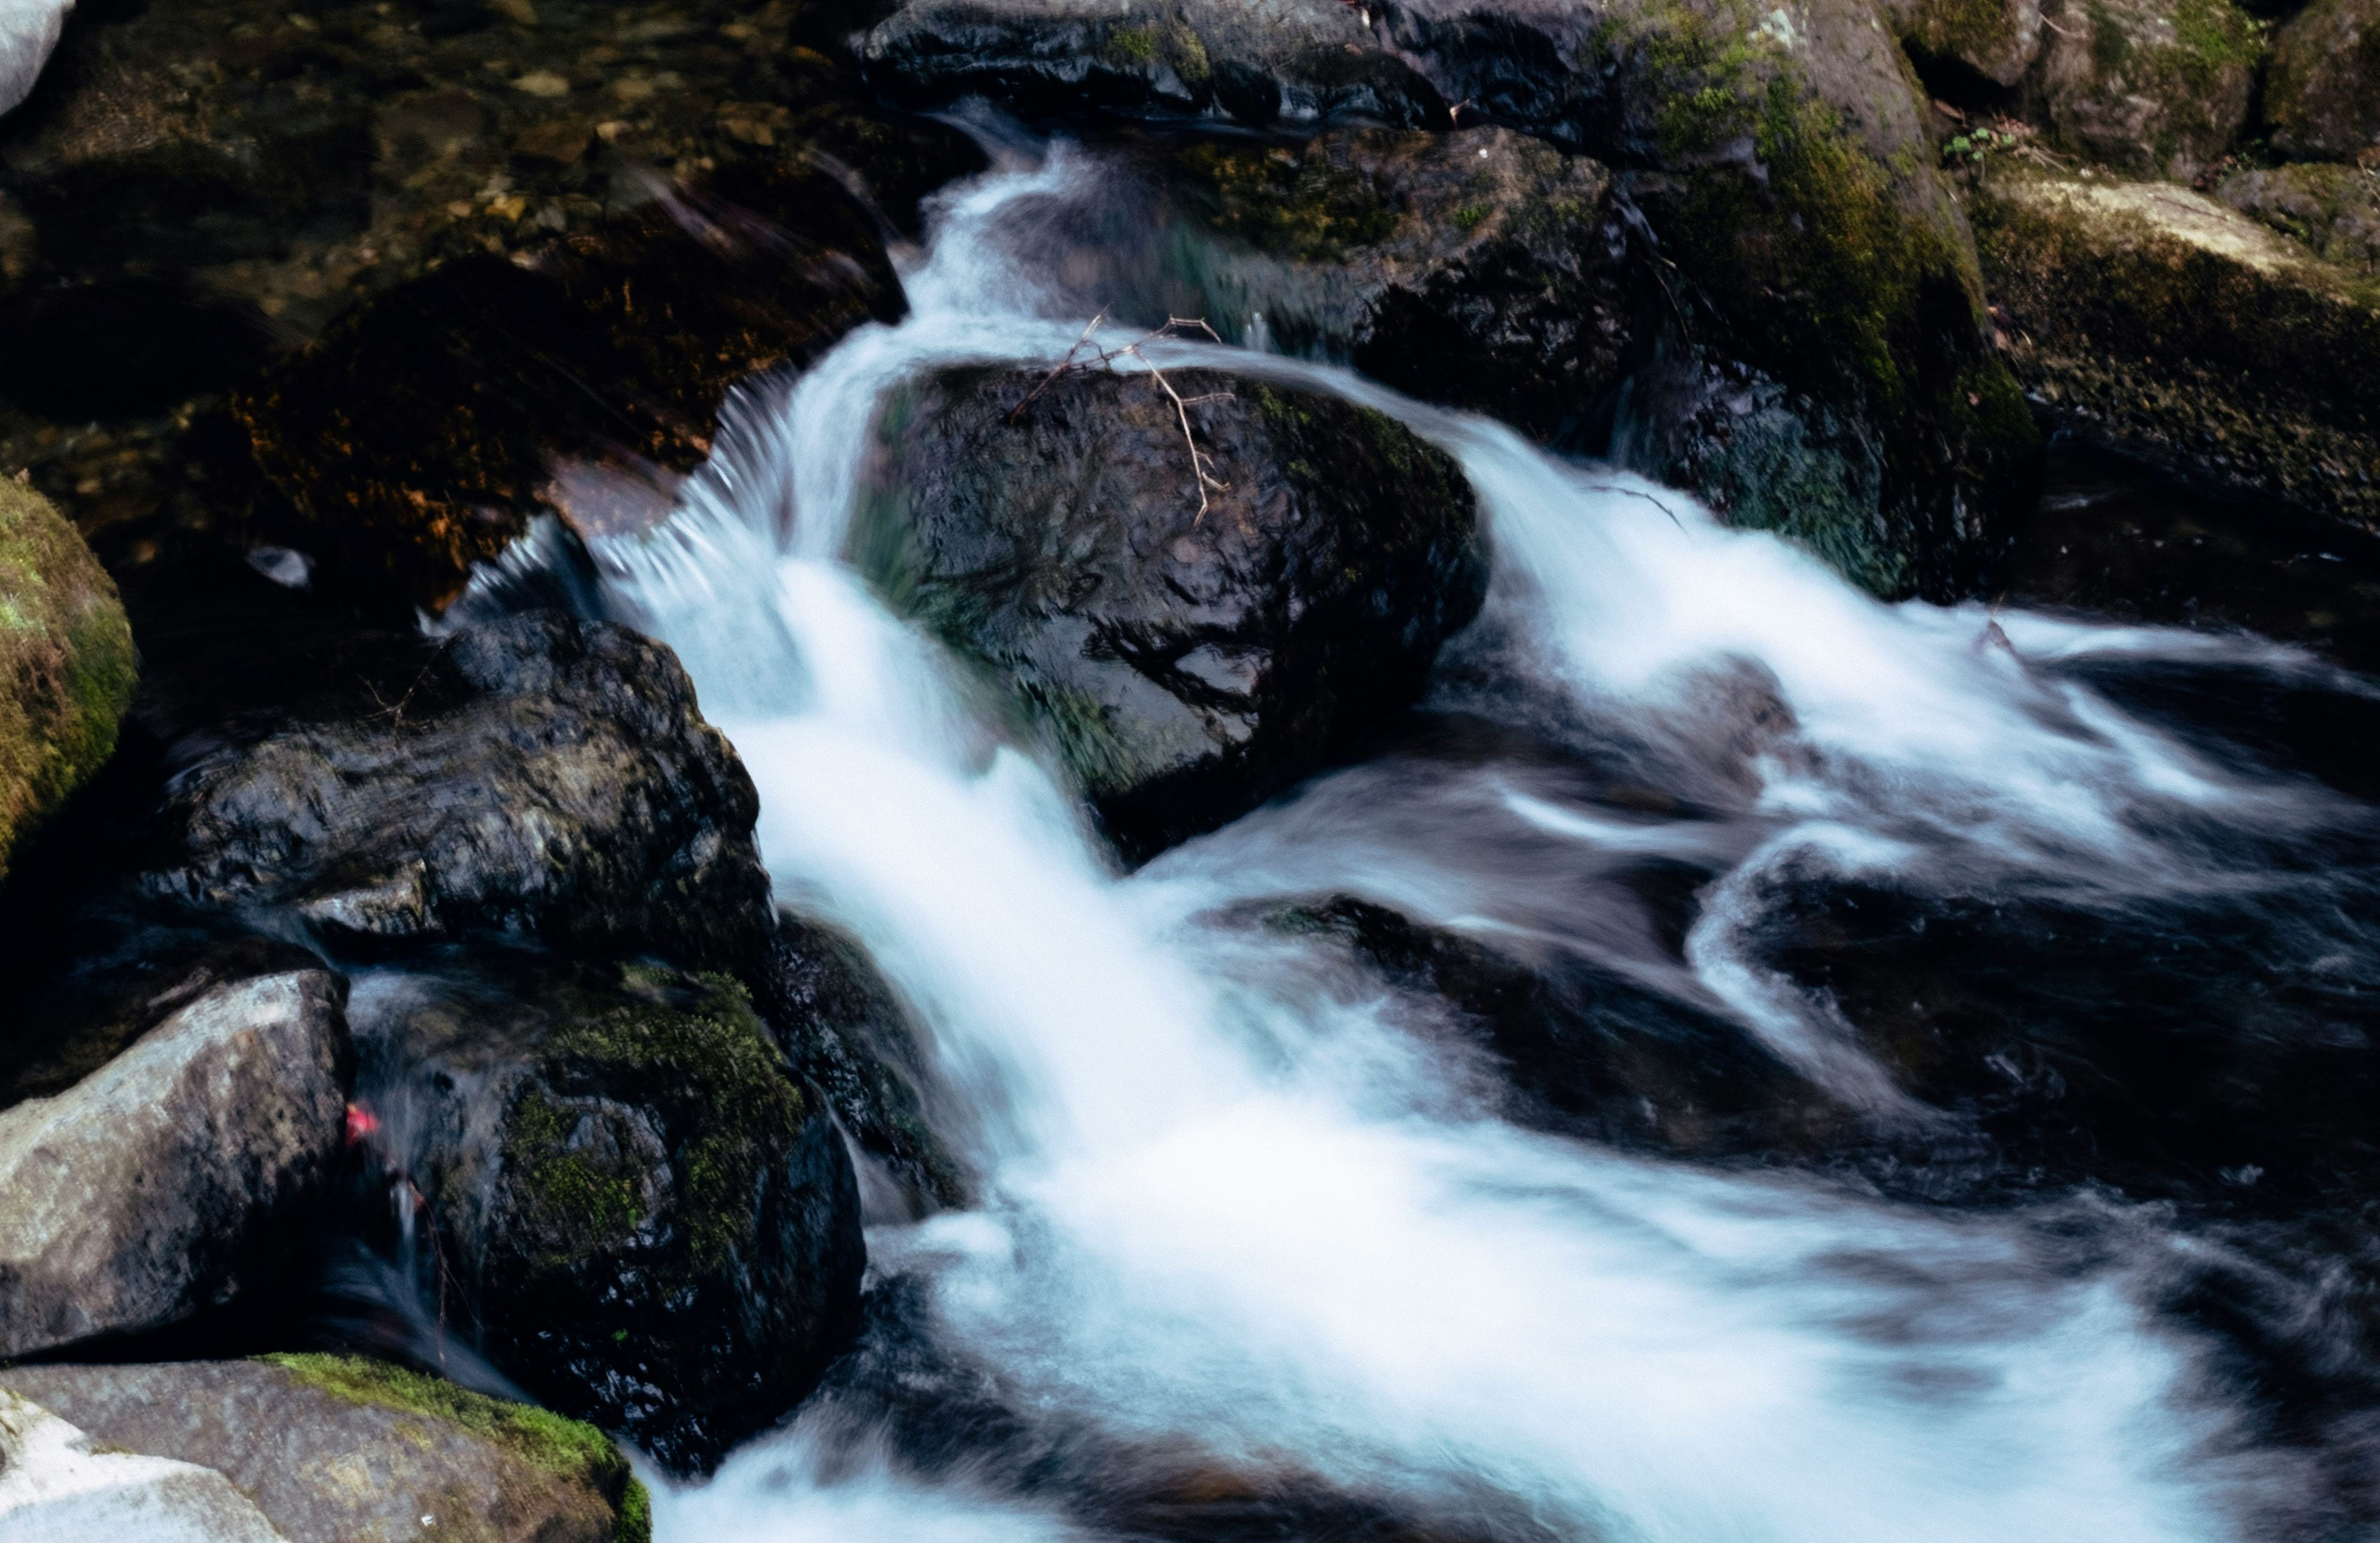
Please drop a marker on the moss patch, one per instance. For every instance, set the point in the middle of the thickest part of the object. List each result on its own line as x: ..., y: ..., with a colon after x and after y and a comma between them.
x: 567, y: 1448
x: 66, y: 663
x: 1299, y: 204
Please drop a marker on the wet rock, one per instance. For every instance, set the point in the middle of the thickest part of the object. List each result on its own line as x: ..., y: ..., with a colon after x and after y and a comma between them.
x: 420, y: 434
x: 1586, y: 1051
x: 66, y: 663
x: 332, y: 1449
x: 847, y: 1034
x: 55, y: 1484
x: 1480, y: 269
x: 1777, y: 159
x: 28, y: 32
x: 2150, y: 316
x: 644, y: 1218
x: 539, y: 775
x: 2322, y: 95
x: 1185, y: 663
x: 173, y: 1177
x: 2146, y: 89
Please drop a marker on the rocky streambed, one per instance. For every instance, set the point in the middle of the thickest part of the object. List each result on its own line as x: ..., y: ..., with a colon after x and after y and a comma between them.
x: 635, y: 810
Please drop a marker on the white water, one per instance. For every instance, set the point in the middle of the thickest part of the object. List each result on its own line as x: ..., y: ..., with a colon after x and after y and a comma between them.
x: 1233, y: 1214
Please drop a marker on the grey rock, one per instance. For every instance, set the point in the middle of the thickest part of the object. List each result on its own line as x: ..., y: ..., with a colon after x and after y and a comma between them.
x: 170, y: 1178
x: 55, y: 1487
x: 336, y: 1450
x: 2145, y: 86
x: 2322, y: 93
x: 29, y: 30
x: 542, y: 775
x: 1186, y: 664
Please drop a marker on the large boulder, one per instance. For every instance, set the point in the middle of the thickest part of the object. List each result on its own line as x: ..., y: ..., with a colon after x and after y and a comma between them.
x: 180, y: 1171
x: 66, y: 663
x: 2333, y: 211
x: 1829, y: 302
x: 539, y: 774
x: 2322, y: 95
x: 1189, y: 652
x: 2151, y: 316
x: 324, y: 1449
x: 2146, y: 86
x: 1998, y: 40
x: 644, y: 1218
x: 55, y: 1484
x: 1479, y: 268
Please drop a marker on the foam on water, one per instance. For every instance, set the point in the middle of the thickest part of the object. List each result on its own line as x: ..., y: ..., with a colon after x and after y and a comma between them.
x: 1229, y: 1211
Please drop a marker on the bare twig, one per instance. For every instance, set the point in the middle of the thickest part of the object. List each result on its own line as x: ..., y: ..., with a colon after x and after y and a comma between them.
x: 1175, y: 326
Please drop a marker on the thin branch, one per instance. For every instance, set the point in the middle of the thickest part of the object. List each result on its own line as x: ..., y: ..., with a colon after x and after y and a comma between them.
x: 1175, y: 326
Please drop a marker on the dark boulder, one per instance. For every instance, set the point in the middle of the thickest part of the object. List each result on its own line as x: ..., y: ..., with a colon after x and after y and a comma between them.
x: 178, y: 1175
x: 2321, y: 93
x: 539, y: 774
x: 642, y: 1216
x: 1185, y: 663
x: 1778, y: 162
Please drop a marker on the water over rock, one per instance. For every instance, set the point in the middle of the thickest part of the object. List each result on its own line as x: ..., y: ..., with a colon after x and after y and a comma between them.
x: 539, y: 774
x: 1186, y: 662
x: 55, y: 1484
x: 1835, y: 382
x: 324, y: 1449
x: 175, y: 1174
x: 66, y: 663
x: 641, y: 1215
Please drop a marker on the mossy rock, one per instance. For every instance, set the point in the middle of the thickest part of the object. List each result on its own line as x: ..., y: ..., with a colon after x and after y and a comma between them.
x: 66, y: 663
x: 2157, y: 87
x: 336, y: 1448
x: 2322, y: 95
x: 1997, y: 39
x: 2151, y: 316
x: 2332, y: 210
x: 646, y: 1219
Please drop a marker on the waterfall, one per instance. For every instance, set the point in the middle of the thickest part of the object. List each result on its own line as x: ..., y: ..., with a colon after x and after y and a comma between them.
x: 1235, y: 1213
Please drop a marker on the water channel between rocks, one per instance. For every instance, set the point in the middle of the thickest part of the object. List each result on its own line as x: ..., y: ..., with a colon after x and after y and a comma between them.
x: 1241, y: 1222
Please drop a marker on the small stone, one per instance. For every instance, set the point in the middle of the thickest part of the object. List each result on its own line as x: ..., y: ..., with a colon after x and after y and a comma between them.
x: 562, y: 143
x: 543, y: 82
x: 520, y: 13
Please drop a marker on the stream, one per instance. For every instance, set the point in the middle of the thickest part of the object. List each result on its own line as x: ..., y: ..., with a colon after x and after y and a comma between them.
x: 1251, y: 1225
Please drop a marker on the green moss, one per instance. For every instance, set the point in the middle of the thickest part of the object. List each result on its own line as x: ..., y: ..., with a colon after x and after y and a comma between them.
x: 1969, y: 29
x: 1297, y: 204
x: 635, y: 1513
x: 66, y: 663
x: 568, y: 1195
x: 718, y: 1047
x: 1131, y: 45
x: 565, y: 1448
x: 1175, y: 43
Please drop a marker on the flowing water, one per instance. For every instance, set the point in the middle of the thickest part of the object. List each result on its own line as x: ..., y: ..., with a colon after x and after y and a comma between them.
x: 1248, y: 1228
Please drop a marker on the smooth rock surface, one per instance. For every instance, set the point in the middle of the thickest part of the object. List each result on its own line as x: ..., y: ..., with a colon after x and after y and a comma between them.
x: 174, y: 1176
x: 643, y: 1217
x: 1185, y: 665
x: 541, y: 775
x: 66, y: 663
x: 337, y: 1449
x: 55, y: 1487
x: 29, y: 30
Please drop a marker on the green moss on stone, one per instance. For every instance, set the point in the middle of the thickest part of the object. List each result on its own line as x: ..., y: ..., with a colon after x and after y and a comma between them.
x: 565, y: 1448
x: 1296, y: 203
x: 66, y: 663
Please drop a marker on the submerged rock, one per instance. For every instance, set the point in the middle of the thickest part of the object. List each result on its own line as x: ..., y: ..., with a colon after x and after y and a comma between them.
x: 66, y: 663
x: 2151, y: 316
x: 55, y: 1484
x: 540, y: 774
x: 173, y: 1177
x: 1586, y: 1051
x: 644, y: 1218
x: 326, y: 1448
x: 1778, y: 160
x: 2322, y: 95
x: 1185, y: 663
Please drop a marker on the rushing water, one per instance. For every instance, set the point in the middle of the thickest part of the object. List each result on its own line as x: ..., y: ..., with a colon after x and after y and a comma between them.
x: 1244, y: 1227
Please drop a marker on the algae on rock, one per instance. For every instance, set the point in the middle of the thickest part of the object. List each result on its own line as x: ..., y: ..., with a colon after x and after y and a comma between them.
x: 66, y: 663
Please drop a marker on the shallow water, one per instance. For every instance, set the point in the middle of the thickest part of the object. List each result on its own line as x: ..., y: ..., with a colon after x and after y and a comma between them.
x: 1265, y: 1249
